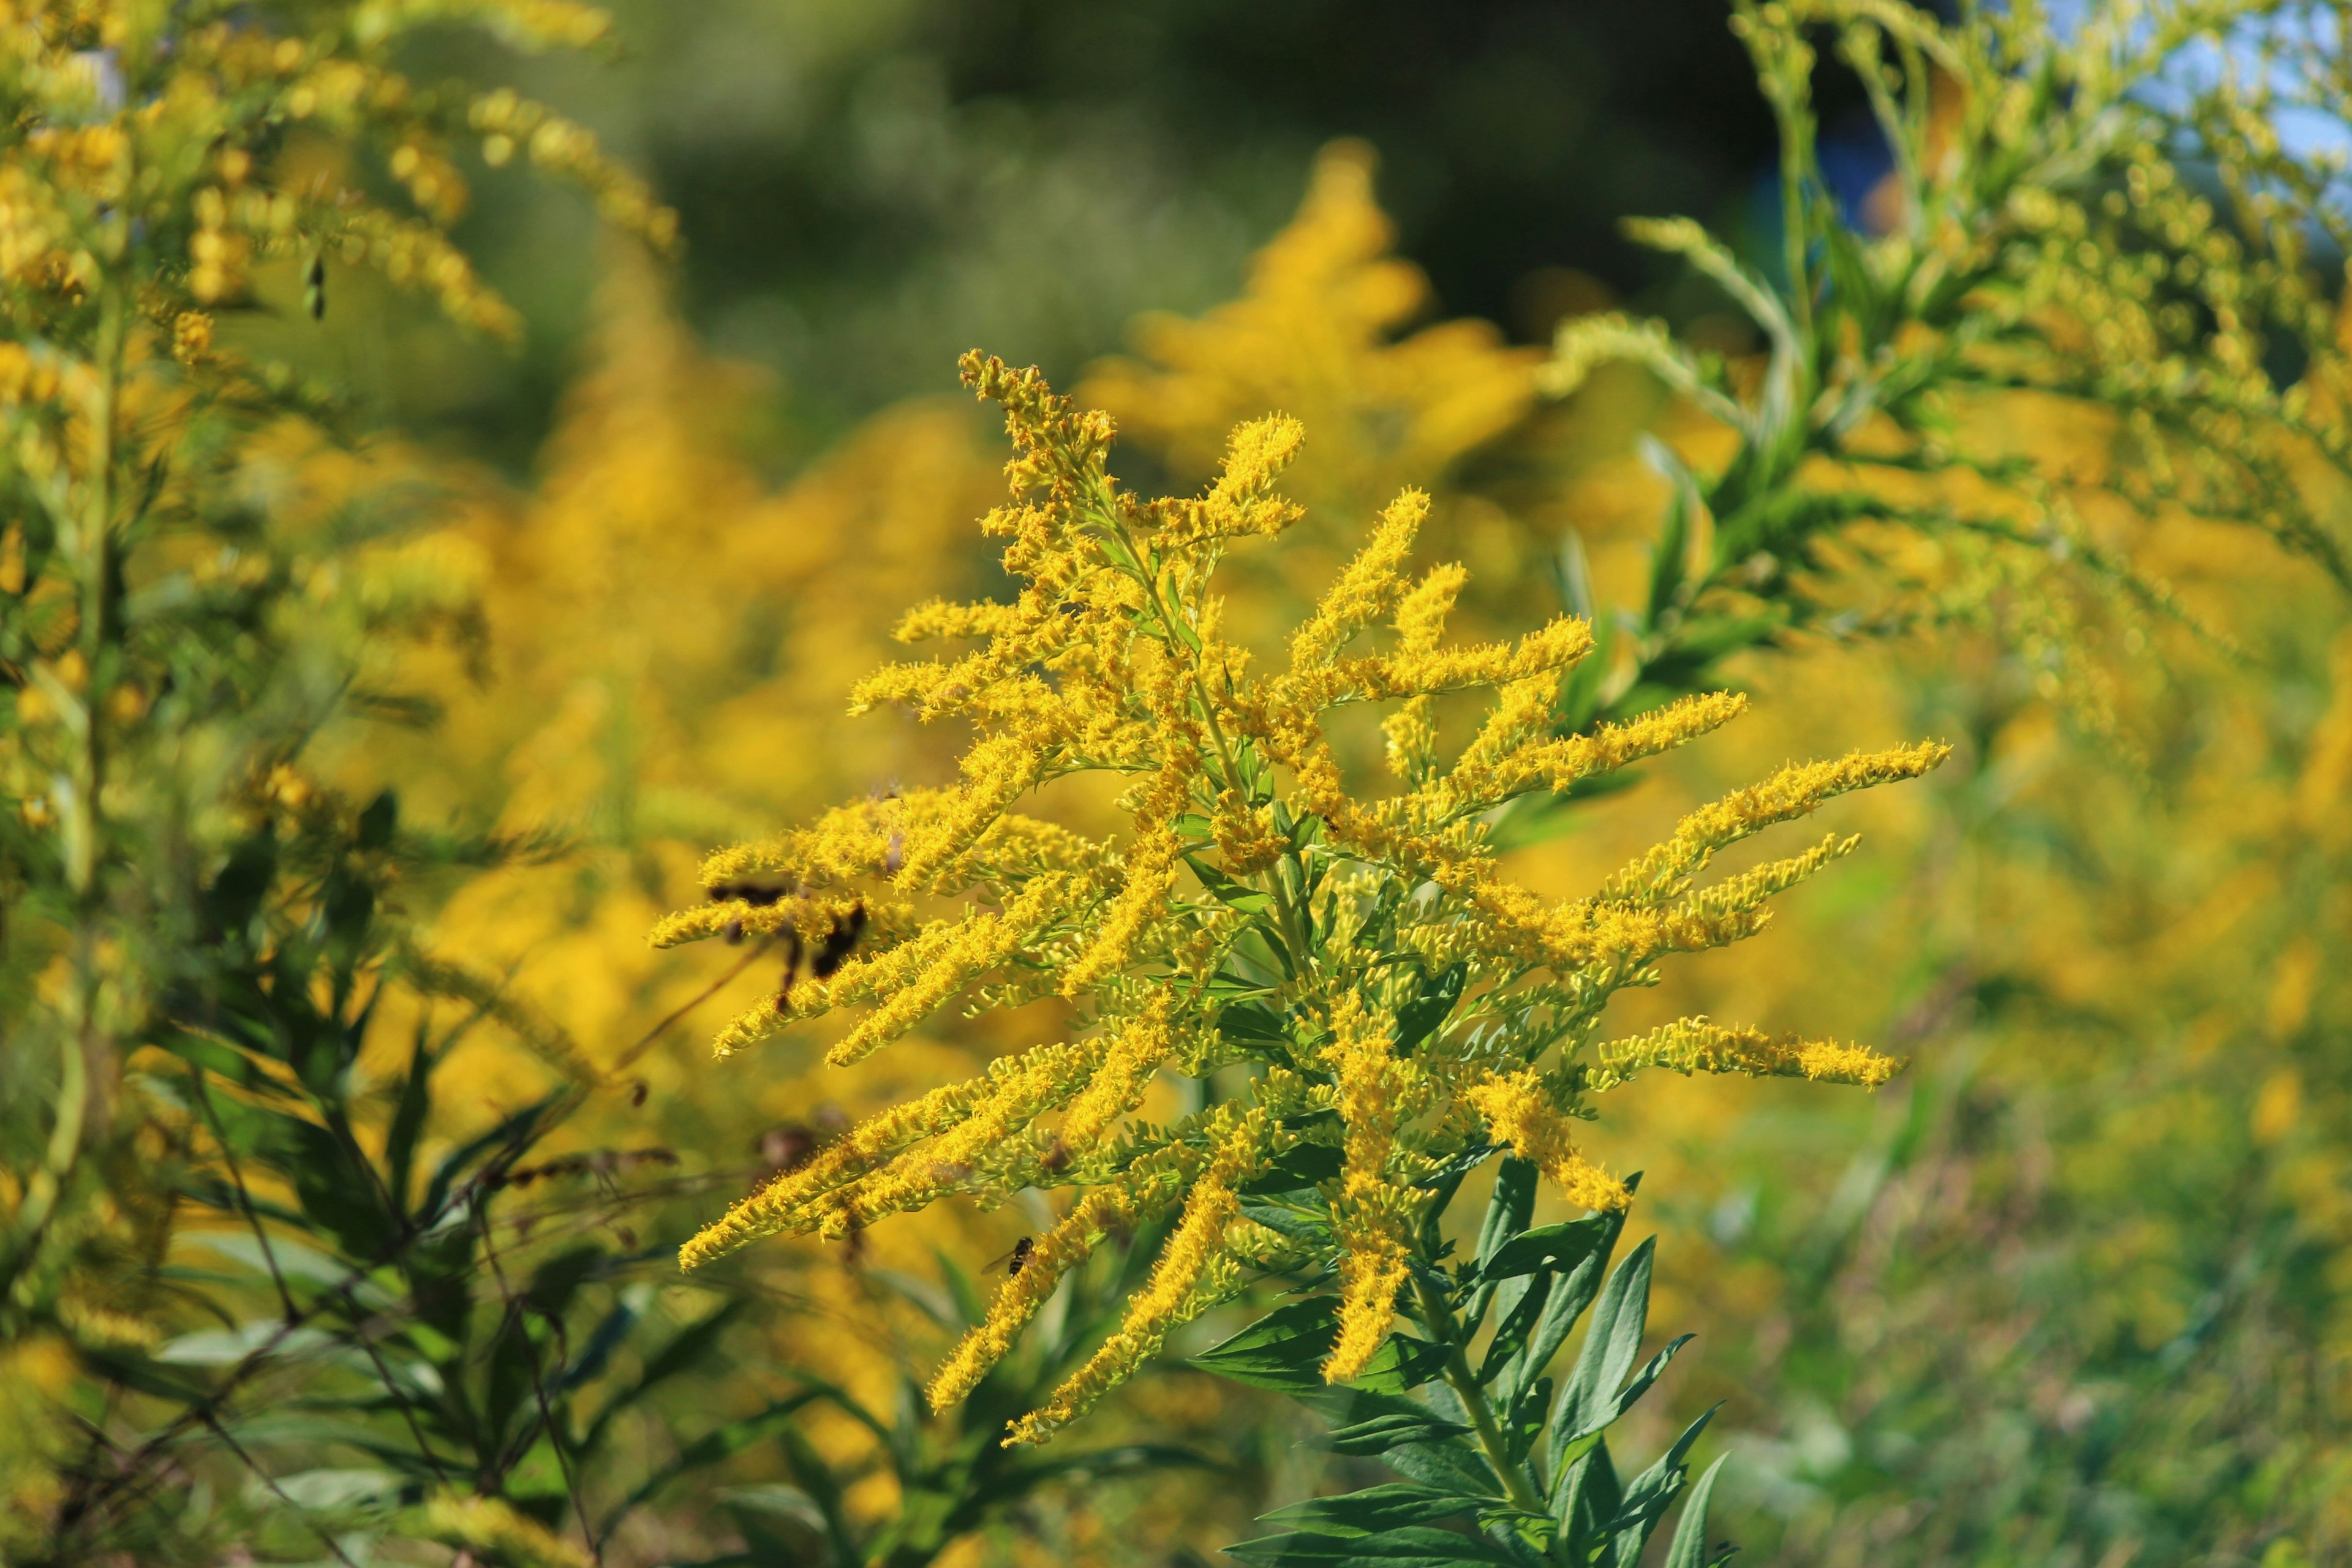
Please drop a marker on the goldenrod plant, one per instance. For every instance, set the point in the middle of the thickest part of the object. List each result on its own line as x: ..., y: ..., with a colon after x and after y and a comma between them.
x: 1366, y: 1006
x: 2095, y: 292
x: 206, y: 569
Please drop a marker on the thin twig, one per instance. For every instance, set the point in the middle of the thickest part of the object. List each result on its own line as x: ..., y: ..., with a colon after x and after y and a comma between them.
x: 279, y: 1492
x: 201, y: 1412
x: 705, y: 995
x: 539, y: 1389
x: 244, y: 1199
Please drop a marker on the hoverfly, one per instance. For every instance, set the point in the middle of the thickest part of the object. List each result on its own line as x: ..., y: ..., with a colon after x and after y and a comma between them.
x: 1015, y: 1260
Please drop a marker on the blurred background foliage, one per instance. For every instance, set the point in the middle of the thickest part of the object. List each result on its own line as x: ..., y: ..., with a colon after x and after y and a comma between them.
x: 2073, y: 1292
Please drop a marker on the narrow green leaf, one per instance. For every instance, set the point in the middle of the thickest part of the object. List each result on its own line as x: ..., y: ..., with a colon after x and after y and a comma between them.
x: 1426, y: 1013
x: 1228, y: 891
x: 1389, y: 1429
x: 1611, y: 1343
x: 1651, y: 1493
x: 1369, y: 1511
x: 1624, y: 1400
x: 1407, y: 1546
x: 1508, y: 1210
x: 1300, y: 1166
x: 1285, y: 1350
x: 1252, y: 1021
x: 1688, y: 1549
x: 1555, y: 1248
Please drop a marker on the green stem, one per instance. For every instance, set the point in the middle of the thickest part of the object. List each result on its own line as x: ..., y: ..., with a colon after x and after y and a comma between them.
x: 1439, y: 1320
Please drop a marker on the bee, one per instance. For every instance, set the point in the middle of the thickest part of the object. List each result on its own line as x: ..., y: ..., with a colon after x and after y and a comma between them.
x: 835, y: 949
x: 314, y: 288
x: 638, y: 1094
x: 1057, y: 1157
x: 1018, y: 1259
x: 731, y: 933
x: 758, y: 895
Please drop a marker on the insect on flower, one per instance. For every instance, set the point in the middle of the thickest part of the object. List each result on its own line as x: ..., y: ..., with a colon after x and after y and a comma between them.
x: 1017, y: 1258
x: 1400, y: 1002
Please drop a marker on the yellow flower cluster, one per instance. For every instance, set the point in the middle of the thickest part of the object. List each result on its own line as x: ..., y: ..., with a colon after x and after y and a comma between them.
x: 161, y: 135
x: 1378, y: 1093
x: 1391, y: 993
x: 1695, y: 1045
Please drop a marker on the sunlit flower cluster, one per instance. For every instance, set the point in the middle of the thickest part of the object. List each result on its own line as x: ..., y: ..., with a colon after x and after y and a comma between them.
x: 1357, y: 972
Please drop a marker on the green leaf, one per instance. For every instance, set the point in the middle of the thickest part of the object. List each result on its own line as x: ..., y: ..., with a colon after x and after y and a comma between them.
x: 686, y: 1350
x: 1302, y: 1165
x: 1651, y: 1493
x: 1522, y: 1301
x: 1508, y: 1210
x: 1407, y: 1546
x: 1553, y: 1248
x: 408, y: 1119
x: 1228, y: 891
x: 1308, y: 1224
x: 1285, y: 1350
x: 1609, y: 1346
x: 1231, y: 987
x: 1670, y: 556
x: 1252, y: 1021
x: 1639, y: 1386
x: 377, y: 822
x: 1369, y: 1511
x: 1426, y: 1013
x: 710, y: 1448
x: 1402, y: 1363
x: 1391, y: 1428
x: 1585, y: 1500
x: 1688, y: 1549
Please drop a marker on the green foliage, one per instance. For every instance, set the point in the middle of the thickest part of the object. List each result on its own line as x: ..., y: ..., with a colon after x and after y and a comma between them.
x: 1523, y: 1475
x: 2076, y: 236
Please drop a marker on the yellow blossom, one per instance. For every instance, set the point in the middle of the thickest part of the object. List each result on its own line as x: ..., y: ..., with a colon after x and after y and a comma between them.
x: 1519, y: 1113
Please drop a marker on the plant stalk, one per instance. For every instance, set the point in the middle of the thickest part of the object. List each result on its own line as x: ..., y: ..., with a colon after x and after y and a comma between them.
x: 1440, y: 1320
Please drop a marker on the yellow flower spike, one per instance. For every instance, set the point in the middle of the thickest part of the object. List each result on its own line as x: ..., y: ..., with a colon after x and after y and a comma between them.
x: 776, y: 1206
x: 1367, y: 587
x: 1118, y: 1084
x: 1793, y: 792
x: 1150, y: 876
x: 1021, y: 1089
x: 965, y: 952
x: 1695, y: 1045
x: 1123, y: 1206
x: 1241, y: 501
x: 1110, y: 662
x: 1245, y: 839
x: 1421, y: 617
x: 1556, y: 765
x: 1518, y: 1112
x: 1174, y: 1295
x: 1371, y: 1215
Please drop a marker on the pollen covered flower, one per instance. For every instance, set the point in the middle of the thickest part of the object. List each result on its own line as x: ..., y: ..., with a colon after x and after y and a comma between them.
x: 1390, y: 1000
